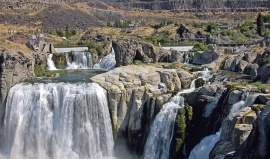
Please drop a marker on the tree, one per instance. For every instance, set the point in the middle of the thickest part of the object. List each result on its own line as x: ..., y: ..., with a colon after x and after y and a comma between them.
x: 211, y: 26
x: 260, y: 24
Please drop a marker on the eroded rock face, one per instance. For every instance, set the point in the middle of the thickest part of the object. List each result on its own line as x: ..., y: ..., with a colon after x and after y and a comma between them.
x: 206, y: 103
x: 205, y: 57
x: 130, y: 88
x: 237, y: 134
x: 264, y: 129
x: 15, y: 67
x: 128, y: 50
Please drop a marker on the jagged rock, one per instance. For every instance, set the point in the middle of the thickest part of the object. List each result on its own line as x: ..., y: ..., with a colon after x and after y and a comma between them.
x: 264, y: 73
x: 209, y: 90
x: 242, y: 65
x: 176, y: 56
x: 235, y: 96
x: 128, y: 50
x: 254, y: 72
x: 15, y: 67
x: 206, y: 57
x: 236, y: 131
x: 261, y: 99
x: 250, y: 57
x: 248, y: 68
x: 228, y: 62
x: 185, y: 78
x: 222, y: 148
x: 171, y: 80
x: 264, y: 128
x: 130, y: 88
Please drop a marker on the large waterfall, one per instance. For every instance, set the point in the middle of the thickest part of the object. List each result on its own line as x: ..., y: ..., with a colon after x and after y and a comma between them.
x: 106, y: 63
x: 56, y: 120
x: 80, y: 60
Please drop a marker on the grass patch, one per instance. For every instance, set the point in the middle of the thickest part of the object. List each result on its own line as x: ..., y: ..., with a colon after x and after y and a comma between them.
x: 42, y: 71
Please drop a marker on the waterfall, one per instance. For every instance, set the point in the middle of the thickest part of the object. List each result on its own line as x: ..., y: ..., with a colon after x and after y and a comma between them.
x: 80, y: 60
x: 251, y: 97
x: 106, y: 63
x: 187, y: 58
x: 50, y: 63
x: 206, y: 75
x: 159, y: 139
x: 203, y: 149
x: 56, y: 120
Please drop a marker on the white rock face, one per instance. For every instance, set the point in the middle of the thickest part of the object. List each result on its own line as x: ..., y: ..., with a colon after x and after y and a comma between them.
x: 130, y: 87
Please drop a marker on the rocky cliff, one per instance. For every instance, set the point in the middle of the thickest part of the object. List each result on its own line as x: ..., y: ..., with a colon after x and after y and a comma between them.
x: 132, y: 90
x: 128, y: 50
x: 15, y: 67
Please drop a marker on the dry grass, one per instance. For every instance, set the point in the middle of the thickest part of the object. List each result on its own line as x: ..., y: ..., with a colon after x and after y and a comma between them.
x: 142, y: 31
x: 5, y: 44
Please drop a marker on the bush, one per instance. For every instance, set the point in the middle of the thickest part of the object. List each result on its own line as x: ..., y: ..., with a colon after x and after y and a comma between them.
x: 230, y: 32
x: 199, y: 47
x: 211, y: 26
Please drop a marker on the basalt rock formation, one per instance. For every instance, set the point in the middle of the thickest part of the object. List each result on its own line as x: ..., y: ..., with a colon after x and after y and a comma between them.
x: 132, y: 90
x: 15, y: 67
x: 128, y: 50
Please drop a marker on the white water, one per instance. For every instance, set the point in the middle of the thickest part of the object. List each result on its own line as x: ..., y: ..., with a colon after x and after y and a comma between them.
x: 206, y: 74
x: 50, y: 63
x: 187, y: 58
x: 159, y: 139
x: 203, y: 149
x: 106, y: 63
x: 81, y: 60
x: 56, y: 120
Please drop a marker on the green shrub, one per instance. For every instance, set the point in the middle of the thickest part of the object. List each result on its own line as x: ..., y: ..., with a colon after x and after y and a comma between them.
x: 211, y: 26
x: 199, y: 47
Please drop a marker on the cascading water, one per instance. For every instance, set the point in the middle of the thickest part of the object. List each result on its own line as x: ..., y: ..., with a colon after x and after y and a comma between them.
x: 106, y: 63
x: 80, y: 60
x: 50, y: 63
x: 187, y: 58
x: 203, y: 149
x: 56, y: 120
x: 159, y: 139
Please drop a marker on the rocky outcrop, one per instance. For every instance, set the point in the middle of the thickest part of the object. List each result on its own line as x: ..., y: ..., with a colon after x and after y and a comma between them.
x: 250, y: 62
x: 206, y: 57
x: 238, y: 136
x: 130, y: 90
x: 128, y: 50
x: 207, y: 104
x: 264, y: 130
x: 15, y: 67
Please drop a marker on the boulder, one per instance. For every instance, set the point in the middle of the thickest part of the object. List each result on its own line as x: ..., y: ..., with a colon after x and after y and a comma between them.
x: 128, y: 50
x: 176, y: 56
x: 235, y: 96
x: 185, y: 78
x: 264, y: 73
x: 241, y: 66
x: 250, y: 57
x: 206, y: 57
x: 227, y: 63
x: 254, y: 71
